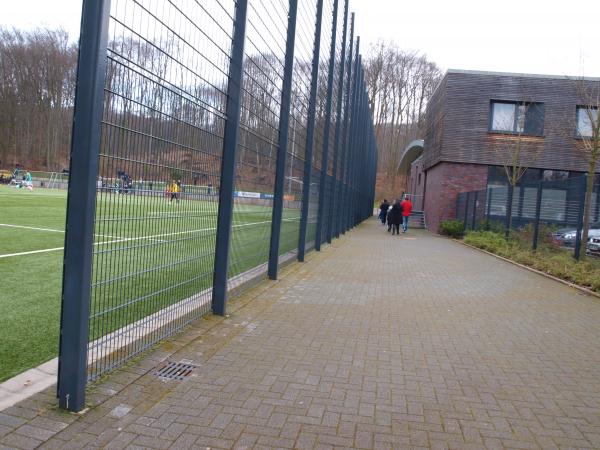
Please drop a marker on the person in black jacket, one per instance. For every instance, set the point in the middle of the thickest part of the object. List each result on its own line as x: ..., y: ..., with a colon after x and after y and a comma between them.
x: 389, y: 218
x: 383, y: 209
x: 395, y: 218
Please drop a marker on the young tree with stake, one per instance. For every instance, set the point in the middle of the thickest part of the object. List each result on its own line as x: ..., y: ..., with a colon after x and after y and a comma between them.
x: 518, y: 143
x: 588, y: 142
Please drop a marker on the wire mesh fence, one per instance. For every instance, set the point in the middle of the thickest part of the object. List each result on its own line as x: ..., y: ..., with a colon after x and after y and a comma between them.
x: 162, y: 133
x: 319, y: 123
x: 173, y: 188
x: 259, y: 124
x: 296, y: 148
x: 551, y: 211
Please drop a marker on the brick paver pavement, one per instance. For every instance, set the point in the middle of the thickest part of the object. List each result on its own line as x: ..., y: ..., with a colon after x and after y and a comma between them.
x: 379, y: 341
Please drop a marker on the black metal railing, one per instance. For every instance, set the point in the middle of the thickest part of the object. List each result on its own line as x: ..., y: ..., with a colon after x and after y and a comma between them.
x: 551, y: 210
x: 213, y: 142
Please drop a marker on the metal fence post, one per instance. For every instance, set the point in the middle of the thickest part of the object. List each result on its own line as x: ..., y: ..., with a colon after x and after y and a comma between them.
x: 325, y: 160
x: 509, y: 202
x: 336, y: 141
x: 351, y: 141
x: 369, y: 148
x: 355, y: 140
x: 365, y: 156
x: 474, y: 210
x: 355, y: 196
x: 361, y: 143
x: 489, y: 205
x: 580, y: 219
x: 284, y: 121
x: 81, y: 205
x: 538, y: 211
x: 230, y: 141
x: 373, y: 163
x: 597, y: 209
x: 345, y: 144
x: 521, y: 200
x: 361, y: 189
x: 310, y: 133
x: 466, y: 222
x: 357, y: 184
x: 355, y: 144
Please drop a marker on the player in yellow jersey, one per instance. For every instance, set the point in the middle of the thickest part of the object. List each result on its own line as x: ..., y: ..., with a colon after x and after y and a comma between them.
x: 174, y: 189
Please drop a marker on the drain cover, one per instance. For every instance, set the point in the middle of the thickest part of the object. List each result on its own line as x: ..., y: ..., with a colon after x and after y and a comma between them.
x: 175, y: 371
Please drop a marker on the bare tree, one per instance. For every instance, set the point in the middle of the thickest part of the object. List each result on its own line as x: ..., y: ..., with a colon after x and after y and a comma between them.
x: 37, y: 86
x: 399, y: 84
x: 517, y: 143
x: 588, y: 132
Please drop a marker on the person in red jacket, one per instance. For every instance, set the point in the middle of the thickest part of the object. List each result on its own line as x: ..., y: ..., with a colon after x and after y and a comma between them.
x: 406, y: 210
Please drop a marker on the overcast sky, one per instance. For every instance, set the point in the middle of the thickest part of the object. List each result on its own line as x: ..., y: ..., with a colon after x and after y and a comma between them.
x: 558, y: 37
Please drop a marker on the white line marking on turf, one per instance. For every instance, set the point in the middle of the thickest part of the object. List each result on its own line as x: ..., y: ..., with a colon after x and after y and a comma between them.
x: 177, y: 233
x: 143, y: 237
x: 30, y: 228
x: 32, y: 252
x: 46, y: 229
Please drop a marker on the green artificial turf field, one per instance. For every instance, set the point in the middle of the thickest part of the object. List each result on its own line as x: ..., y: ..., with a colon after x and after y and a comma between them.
x: 149, y: 253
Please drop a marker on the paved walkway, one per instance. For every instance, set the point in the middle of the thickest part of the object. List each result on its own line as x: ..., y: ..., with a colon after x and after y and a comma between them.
x: 377, y: 342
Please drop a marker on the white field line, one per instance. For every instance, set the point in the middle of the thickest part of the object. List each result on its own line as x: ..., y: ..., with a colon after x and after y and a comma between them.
x: 30, y: 228
x: 32, y: 252
x: 46, y: 250
x: 116, y: 241
x: 171, y: 215
x: 47, y: 229
x: 46, y: 193
x: 155, y: 236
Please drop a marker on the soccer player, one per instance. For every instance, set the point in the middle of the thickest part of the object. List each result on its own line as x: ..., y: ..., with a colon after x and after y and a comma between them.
x: 174, y: 191
x: 28, y: 181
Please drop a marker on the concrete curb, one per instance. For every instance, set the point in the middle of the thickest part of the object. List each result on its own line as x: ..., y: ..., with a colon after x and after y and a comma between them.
x: 531, y: 269
x: 26, y: 384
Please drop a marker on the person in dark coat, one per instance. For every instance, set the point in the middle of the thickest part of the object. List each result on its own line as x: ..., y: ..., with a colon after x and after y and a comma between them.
x: 395, y: 218
x: 383, y: 209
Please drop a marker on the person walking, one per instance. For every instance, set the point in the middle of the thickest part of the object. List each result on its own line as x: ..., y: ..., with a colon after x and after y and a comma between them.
x: 383, y: 210
x: 395, y: 217
x: 406, y: 206
x: 174, y: 189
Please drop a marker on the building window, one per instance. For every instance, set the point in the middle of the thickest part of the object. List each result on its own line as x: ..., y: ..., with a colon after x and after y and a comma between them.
x: 497, y: 176
x: 419, y: 180
x: 555, y: 175
x: 587, y: 116
x: 517, y: 117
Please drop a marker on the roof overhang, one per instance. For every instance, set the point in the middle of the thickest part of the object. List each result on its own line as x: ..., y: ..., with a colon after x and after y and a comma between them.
x: 412, y: 152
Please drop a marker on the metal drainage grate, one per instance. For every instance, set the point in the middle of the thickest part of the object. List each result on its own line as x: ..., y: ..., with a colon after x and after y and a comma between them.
x: 175, y: 371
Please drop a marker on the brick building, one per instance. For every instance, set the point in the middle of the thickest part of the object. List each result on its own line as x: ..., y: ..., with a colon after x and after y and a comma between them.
x: 473, y: 117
